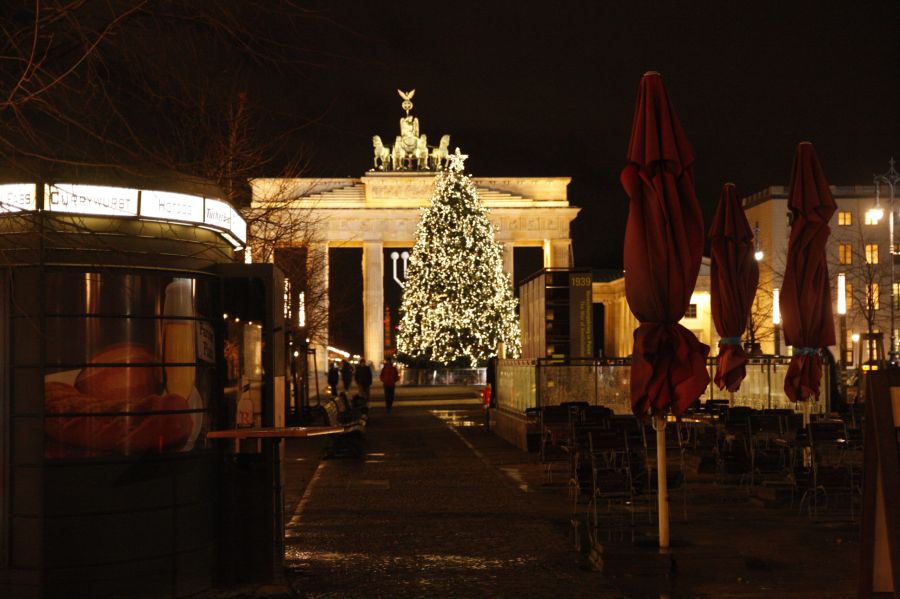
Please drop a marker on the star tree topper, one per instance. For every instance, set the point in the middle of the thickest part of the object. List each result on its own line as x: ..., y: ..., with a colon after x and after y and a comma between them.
x: 456, y: 161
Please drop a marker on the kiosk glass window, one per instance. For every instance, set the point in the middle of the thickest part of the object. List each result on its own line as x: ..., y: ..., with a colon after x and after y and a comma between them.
x: 129, y: 363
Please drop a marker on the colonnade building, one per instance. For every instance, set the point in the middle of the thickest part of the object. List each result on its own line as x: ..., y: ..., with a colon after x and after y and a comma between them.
x: 380, y: 211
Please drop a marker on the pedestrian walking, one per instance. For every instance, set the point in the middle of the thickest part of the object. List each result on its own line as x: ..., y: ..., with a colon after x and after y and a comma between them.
x: 490, y: 391
x: 389, y: 377
x: 363, y: 376
x: 334, y: 376
x: 346, y: 374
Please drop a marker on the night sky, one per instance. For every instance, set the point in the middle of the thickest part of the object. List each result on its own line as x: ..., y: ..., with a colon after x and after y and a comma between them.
x: 538, y: 88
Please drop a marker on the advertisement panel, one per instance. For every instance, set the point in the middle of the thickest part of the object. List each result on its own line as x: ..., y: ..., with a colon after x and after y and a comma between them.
x: 127, y: 363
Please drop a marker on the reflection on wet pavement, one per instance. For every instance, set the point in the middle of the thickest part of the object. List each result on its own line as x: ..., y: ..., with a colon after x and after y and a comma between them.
x: 456, y: 417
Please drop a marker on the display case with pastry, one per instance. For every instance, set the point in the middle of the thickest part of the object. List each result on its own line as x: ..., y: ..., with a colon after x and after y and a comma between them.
x: 116, y: 405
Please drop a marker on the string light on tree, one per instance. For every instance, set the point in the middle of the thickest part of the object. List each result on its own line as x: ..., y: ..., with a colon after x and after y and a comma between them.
x: 458, y: 304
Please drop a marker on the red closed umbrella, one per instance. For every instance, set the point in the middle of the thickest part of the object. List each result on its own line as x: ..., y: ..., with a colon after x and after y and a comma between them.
x: 806, y: 292
x: 734, y: 276
x: 663, y: 249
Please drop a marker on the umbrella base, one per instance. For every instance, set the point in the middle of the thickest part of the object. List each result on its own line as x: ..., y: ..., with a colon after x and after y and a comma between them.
x: 639, y: 559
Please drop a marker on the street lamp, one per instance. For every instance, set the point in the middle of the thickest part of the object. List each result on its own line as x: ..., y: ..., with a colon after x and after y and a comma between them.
x: 891, y: 178
x: 776, y: 319
x: 753, y: 347
x: 758, y: 254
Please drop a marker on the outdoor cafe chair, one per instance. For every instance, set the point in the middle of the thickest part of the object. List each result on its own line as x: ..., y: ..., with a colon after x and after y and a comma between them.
x: 557, y: 429
x: 554, y: 426
x: 768, y: 457
x: 611, y: 475
x: 579, y: 450
x: 834, y: 466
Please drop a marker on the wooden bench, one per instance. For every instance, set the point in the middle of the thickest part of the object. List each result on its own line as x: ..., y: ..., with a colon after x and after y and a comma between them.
x: 338, y: 412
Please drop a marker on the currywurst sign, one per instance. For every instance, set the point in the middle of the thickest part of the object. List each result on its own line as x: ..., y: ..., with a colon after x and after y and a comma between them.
x: 122, y: 201
x: 91, y: 199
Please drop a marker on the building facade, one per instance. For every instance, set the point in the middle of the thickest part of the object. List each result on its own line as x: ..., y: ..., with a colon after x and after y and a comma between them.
x: 858, y: 252
x: 382, y: 210
x: 619, y: 323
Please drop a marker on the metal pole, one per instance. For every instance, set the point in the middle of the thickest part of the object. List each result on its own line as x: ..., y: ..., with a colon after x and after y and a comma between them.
x: 892, y: 355
x: 662, y: 490
x: 843, y: 361
x: 891, y: 177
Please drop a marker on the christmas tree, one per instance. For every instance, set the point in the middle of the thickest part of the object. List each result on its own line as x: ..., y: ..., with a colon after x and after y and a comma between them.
x: 457, y: 301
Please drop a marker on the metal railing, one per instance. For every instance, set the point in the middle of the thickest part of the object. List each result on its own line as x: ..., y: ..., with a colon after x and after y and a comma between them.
x: 443, y: 376
x: 516, y: 389
x: 524, y: 384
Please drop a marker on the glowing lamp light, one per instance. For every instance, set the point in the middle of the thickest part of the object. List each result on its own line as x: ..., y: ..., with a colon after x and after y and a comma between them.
x: 841, y: 294
x: 776, y: 308
x: 854, y: 337
x: 875, y: 214
x: 758, y: 254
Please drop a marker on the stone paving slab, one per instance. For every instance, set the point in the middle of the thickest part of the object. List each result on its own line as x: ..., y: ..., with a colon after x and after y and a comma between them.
x: 423, y: 515
x: 440, y: 507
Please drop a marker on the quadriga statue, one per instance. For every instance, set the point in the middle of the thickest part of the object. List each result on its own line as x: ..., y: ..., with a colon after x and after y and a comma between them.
x: 398, y: 156
x: 422, y: 153
x: 441, y: 154
x: 382, y: 159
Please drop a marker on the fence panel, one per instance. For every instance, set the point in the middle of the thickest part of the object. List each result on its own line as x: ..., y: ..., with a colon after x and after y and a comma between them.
x: 516, y: 388
x: 526, y: 383
x: 443, y: 376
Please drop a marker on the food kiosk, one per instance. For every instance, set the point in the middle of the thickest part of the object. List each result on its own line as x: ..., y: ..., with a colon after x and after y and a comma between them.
x: 128, y: 332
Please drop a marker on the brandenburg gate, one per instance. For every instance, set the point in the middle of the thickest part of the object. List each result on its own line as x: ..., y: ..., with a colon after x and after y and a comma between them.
x: 382, y: 208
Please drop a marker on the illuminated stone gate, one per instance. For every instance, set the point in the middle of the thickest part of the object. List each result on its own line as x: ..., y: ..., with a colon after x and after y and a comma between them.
x: 381, y: 210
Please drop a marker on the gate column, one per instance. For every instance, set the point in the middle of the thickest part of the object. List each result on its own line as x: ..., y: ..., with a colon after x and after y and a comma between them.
x: 373, y: 301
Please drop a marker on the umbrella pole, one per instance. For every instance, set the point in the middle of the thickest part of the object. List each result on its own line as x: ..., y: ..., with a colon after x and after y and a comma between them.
x: 662, y: 488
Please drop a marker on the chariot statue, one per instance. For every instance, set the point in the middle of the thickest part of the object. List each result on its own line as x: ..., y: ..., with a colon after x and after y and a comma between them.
x: 441, y: 154
x: 410, y: 150
x: 382, y: 154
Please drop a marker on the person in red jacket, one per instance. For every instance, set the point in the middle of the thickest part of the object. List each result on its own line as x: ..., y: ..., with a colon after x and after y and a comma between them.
x: 389, y: 377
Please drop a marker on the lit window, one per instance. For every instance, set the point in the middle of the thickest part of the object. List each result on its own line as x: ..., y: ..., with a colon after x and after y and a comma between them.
x: 845, y: 253
x: 849, y: 289
x: 895, y: 297
x: 691, y: 311
x: 872, y: 296
x: 873, y: 217
x: 845, y: 218
x: 848, y: 355
x: 871, y: 253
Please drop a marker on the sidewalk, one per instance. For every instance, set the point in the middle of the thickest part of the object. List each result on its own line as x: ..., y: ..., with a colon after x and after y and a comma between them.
x: 426, y: 515
x: 410, y: 395
x: 440, y: 507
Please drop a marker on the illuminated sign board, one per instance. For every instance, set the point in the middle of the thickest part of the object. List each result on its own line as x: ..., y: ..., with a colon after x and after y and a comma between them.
x: 91, y: 199
x: 217, y: 214
x: 171, y: 206
x: 238, y: 226
x: 15, y: 197
x: 121, y: 201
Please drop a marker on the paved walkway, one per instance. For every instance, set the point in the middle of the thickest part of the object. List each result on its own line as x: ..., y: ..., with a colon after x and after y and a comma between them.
x: 428, y: 514
x: 440, y: 507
